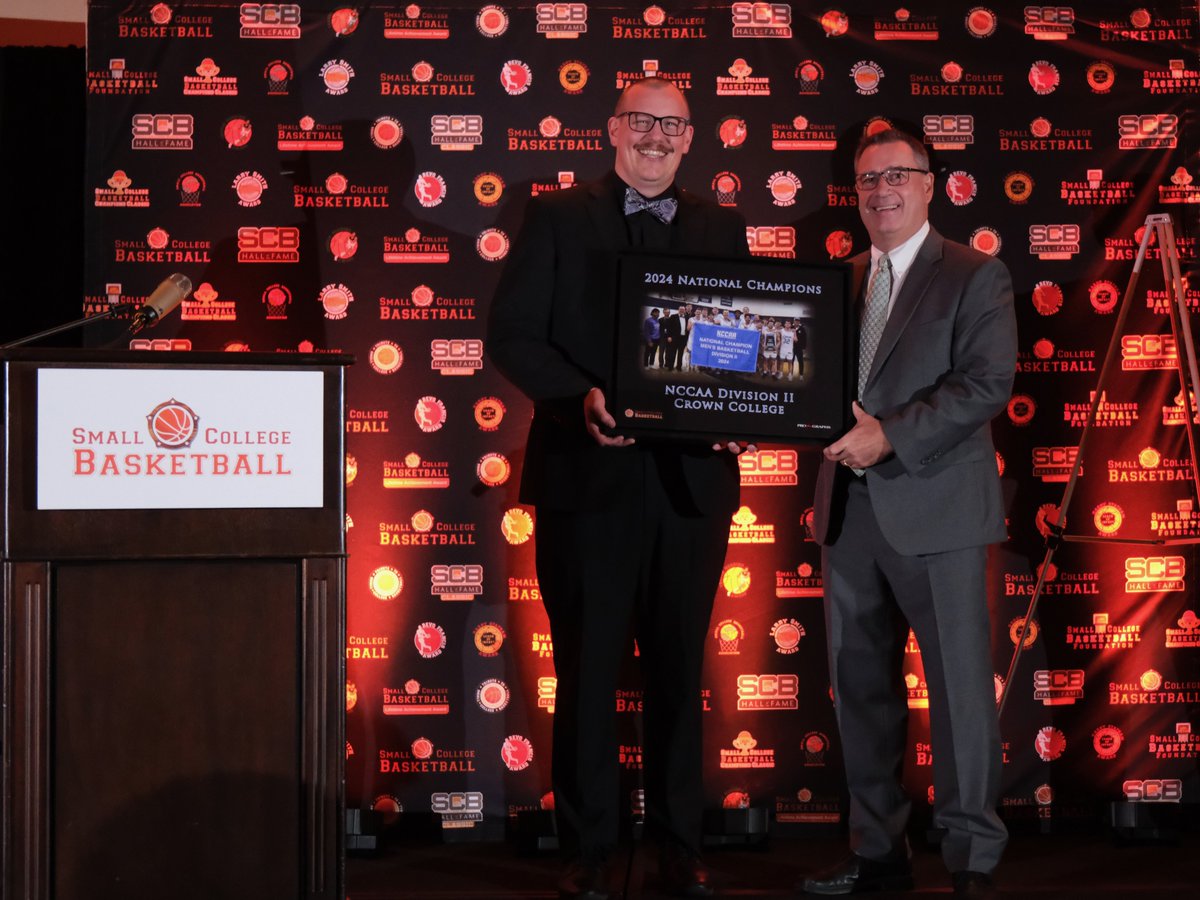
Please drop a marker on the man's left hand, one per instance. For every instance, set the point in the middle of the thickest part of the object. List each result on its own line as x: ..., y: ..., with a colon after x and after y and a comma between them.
x: 863, y: 445
x: 736, y: 447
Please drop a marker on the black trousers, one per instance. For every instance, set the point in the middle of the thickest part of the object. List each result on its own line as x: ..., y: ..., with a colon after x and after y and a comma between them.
x: 642, y: 564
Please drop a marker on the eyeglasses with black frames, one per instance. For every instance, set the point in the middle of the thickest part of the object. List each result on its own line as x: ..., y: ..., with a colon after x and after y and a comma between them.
x: 672, y: 126
x: 893, y: 175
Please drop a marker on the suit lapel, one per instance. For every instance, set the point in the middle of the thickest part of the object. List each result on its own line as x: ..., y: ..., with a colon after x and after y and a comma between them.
x: 605, y: 215
x: 691, y: 225
x: 920, y: 275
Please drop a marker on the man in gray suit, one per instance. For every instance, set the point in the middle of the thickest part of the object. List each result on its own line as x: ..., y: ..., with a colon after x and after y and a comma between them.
x: 906, y: 504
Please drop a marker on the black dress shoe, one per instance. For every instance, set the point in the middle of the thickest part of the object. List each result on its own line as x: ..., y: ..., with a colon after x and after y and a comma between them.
x: 584, y: 880
x: 685, y: 875
x: 975, y: 885
x: 858, y: 875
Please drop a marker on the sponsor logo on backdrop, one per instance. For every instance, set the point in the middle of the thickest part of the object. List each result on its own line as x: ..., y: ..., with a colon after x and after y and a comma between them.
x: 918, y: 691
x: 366, y: 421
x: 457, y: 131
x: 952, y: 80
x: 1046, y: 358
x: 561, y: 20
x: 745, y: 528
x: 729, y: 634
x: 961, y: 187
x: 203, y: 306
x: 249, y: 188
x: 650, y: 69
x: 307, y: 134
x: 1050, y: 743
x: 1056, y: 583
x: 783, y: 187
x: 1042, y: 136
x: 1107, y: 740
x: 1182, y: 522
x: 786, y: 633
x: 416, y: 699
x: 162, y: 131
x: 1054, y: 241
x: 424, y: 530
x: 424, y: 304
x: 423, y: 757
x: 278, y: 74
x: 866, y: 75
x: 1055, y: 464
x: 457, y: 809
x: 516, y: 526
x: 768, y: 468
x: 455, y: 582
x: 415, y: 247
x: 980, y: 22
x: 385, y: 357
x: 740, y: 83
x: 492, y: 695
x: 1148, y: 131
x: 423, y: 80
x: 516, y: 752
x: 809, y: 75
x: 761, y: 20
x: 493, y: 469
x: 541, y: 644
x: 492, y: 244
x: 1144, y: 26
x: 491, y: 21
x: 366, y: 647
x: 656, y: 24
x: 552, y: 136
x: 1152, y: 688
x: 414, y: 472
x: 416, y: 23
x: 429, y: 639
x: 1182, y: 744
x: 160, y: 21
x: 735, y: 580
x: 629, y: 701
x: 524, y: 589
x: 159, y: 247
x: 573, y: 76
x: 335, y: 300
x: 489, y: 638
x: 120, y: 80
x: 1103, y: 635
x: 904, y: 26
x: 343, y: 21
x: 1058, y: 687
x: 338, y: 193
x: 804, y: 581
x: 804, y: 806
x: 190, y: 185
x: 777, y: 241
x: 746, y: 754
x: 1049, y: 23
x: 1177, y: 78
x: 386, y: 132
x: 768, y: 692
x: 208, y: 82
x: 1187, y: 634
x: 516, y: 77
x: 949, y: 131
x: 630, y: 756
x: 120, y: 192
x: 268, y: 244
x: 1109, y: 414
x: 801, y: 134
x: 271, y: 21
x: 386, y: 583
x: 1182, y: 189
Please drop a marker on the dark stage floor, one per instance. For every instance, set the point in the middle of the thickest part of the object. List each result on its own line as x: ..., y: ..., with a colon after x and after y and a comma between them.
x: 1077, y: 865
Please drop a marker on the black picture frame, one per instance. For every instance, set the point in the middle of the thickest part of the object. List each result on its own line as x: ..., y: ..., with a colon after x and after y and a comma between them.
x: 739, y: 368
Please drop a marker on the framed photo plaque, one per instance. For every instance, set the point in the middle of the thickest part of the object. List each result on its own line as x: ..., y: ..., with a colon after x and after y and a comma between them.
x: 731, y: 349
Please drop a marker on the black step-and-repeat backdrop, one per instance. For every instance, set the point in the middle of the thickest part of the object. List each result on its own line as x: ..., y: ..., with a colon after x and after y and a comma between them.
x: 348, y: 178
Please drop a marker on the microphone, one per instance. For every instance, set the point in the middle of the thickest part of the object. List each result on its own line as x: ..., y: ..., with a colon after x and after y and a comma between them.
x: 165, y: 298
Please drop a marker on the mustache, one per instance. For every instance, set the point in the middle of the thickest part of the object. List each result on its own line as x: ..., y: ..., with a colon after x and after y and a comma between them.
x: 653, y: 144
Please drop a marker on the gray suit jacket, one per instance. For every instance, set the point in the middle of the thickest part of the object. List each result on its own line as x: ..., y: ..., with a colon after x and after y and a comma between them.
x: 943, y: 370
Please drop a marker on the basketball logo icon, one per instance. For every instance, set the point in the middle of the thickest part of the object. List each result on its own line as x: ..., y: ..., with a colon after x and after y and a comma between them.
x: 173, y: 425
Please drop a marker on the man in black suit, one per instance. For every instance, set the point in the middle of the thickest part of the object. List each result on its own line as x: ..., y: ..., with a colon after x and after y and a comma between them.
x: 627, y: 533
x: 672, y: 332
x: 906, y: 504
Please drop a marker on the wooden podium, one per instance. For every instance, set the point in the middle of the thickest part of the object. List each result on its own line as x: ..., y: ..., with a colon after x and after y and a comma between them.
x: 173, y: 673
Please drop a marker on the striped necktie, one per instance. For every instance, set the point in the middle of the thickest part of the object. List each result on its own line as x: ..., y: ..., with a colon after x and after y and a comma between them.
x: 874, y: 317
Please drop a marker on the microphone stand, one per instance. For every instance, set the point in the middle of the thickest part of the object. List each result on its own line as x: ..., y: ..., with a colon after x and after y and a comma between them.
x: 119, y: 309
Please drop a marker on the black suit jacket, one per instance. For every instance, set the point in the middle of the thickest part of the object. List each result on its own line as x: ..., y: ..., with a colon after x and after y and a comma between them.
x: 550, y: 333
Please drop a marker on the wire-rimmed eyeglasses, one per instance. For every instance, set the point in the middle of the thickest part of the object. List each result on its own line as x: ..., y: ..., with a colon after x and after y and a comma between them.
x: 893, y: 175
x: 672, y: 126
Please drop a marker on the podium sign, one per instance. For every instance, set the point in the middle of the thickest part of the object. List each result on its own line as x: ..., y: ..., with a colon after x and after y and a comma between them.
x: 179, y: 439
